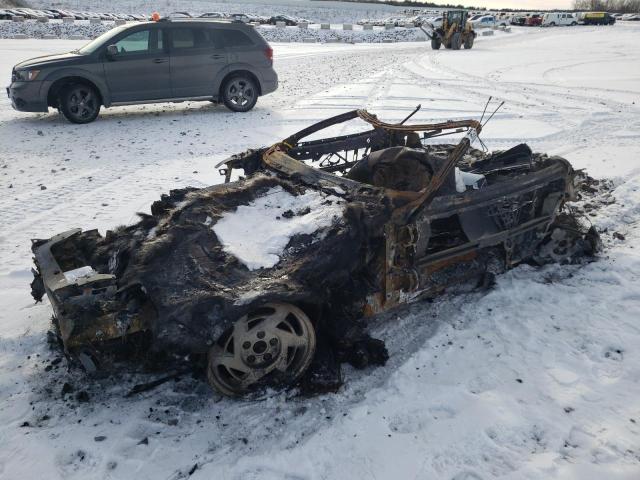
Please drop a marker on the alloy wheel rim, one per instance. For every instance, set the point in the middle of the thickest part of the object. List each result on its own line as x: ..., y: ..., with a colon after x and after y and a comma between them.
x: 82, y: 103
x: 276, y: 339
x: 240, y: 92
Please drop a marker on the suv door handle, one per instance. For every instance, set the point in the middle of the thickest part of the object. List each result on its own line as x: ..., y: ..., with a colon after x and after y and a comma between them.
x: 159, y: 60
x: 217, y: 56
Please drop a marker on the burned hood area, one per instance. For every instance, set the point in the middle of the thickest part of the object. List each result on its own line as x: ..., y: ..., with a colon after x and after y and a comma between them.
x: 269, y: 280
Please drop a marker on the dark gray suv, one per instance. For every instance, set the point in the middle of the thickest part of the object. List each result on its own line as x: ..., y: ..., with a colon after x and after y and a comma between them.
x: 150, y: 62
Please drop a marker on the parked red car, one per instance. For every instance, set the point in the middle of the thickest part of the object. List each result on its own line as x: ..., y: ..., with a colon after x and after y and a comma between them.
x: 534, y: 20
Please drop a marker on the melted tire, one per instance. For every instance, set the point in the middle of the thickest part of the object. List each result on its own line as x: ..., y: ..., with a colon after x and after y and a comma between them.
x: 568, y: 242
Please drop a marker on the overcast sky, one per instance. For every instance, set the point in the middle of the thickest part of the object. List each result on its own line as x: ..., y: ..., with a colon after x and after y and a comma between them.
x: 522, y: 4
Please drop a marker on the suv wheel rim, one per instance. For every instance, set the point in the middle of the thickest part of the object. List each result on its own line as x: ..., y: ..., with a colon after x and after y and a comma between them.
x: 82, y: 103
x: 276, y: 338
x: 240, y: 92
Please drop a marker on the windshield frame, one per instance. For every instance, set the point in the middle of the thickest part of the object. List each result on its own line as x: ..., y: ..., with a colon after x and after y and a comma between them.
x: 95, y: 44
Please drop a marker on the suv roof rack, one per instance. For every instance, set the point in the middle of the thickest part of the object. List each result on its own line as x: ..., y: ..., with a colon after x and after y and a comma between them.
x: 201, y: 19
x: 180, y: 15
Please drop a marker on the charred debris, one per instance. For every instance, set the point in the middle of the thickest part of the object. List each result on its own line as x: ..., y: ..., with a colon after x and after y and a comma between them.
x: 398, y: 219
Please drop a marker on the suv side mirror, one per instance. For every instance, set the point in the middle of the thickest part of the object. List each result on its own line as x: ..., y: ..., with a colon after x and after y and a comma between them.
x: 112, y: 51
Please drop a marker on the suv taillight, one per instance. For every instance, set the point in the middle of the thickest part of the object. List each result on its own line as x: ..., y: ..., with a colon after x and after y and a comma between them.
x: 269, y: 54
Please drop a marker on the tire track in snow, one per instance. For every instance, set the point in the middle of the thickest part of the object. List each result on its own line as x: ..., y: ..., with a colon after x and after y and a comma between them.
x: 575, y: 116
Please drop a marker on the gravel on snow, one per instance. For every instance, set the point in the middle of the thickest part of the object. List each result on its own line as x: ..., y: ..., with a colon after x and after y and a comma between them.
x: 34, y: 29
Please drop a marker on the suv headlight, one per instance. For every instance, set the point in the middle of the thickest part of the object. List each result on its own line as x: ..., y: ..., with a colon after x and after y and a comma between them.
x: 26, y: 75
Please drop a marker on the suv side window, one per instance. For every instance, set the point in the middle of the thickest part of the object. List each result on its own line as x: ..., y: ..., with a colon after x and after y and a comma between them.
x: 142, y: 41
x: 235, y: 38
x: 184, y: 38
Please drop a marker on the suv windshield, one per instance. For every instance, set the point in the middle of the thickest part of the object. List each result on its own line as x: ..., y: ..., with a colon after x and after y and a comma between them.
x: 96, y: 43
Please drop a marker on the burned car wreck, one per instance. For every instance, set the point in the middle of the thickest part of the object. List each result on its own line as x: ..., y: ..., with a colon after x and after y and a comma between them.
x: 269, y: 279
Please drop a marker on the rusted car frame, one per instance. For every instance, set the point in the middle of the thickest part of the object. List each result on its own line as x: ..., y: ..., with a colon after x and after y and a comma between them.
x: 421, y: 218
x: 408, y: 273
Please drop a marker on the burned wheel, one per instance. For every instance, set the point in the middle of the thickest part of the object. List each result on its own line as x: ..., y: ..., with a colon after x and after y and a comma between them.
x: 272, y: 345
x: 568, y: 241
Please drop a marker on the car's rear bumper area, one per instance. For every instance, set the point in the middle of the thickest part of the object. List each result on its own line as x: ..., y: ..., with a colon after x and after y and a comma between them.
x: 269, y: 82
x: 85, y: 302
x: 26, y: 96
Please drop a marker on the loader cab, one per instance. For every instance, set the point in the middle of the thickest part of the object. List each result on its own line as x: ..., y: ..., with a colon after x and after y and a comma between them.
x: 458, y: 17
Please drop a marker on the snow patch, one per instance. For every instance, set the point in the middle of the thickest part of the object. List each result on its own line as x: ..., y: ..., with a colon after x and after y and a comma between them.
x: 257, y: 233
x: 73, y: 275
x: 248, y: 297
x: 467, y: 179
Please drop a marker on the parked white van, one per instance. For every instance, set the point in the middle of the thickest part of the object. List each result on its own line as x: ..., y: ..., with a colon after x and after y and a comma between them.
x: 555, y: 18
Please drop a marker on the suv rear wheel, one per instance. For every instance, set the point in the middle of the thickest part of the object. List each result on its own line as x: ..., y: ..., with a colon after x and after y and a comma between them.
x: 240, y: 93
x: 79, y: 103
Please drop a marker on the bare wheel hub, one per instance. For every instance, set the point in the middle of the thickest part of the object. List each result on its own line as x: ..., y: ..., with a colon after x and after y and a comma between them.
x: 260, y: 349
x: 277, y: 338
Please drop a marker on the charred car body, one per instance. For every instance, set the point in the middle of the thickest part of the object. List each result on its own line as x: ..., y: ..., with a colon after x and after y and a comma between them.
x: 374, y: 219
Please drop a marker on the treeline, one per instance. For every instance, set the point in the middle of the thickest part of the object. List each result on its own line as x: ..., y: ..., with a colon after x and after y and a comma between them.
x: 614, y: 6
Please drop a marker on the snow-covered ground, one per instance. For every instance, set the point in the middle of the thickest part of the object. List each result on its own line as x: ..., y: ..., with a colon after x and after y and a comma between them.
x: 537, y: 379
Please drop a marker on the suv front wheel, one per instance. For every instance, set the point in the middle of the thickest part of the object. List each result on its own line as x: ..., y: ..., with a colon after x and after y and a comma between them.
x: 239, y: 93
x: 79, y: 103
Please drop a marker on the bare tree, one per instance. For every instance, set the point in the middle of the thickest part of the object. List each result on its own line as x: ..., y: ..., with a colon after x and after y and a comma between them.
x: 621, y: 6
